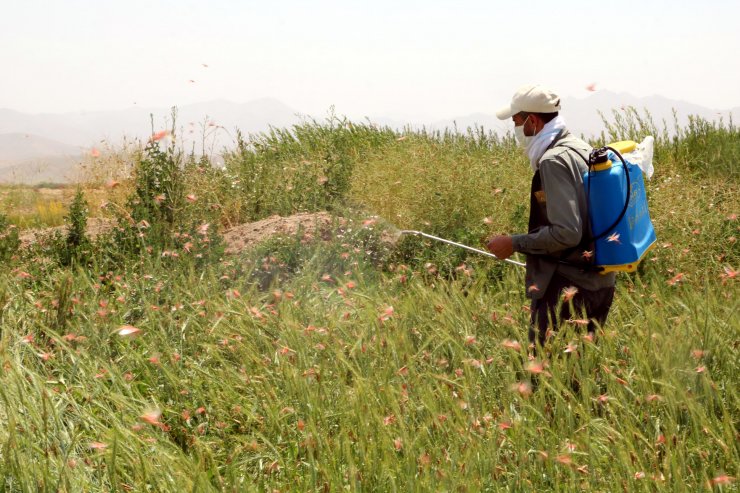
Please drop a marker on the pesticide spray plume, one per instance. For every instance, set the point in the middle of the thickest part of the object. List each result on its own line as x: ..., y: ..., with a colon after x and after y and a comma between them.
x: 459, y: 245
x: 392, y: 234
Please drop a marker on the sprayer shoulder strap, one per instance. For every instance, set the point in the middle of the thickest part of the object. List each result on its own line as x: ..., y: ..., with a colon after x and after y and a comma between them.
x: 576, y: 150
x: 585, y: 234
x: 586, y: 237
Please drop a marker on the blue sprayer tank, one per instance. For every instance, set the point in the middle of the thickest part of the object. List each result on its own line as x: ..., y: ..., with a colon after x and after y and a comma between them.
x: 619, y: 247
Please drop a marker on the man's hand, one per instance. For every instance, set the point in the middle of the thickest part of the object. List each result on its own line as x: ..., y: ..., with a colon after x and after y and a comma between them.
x: 501, y: 246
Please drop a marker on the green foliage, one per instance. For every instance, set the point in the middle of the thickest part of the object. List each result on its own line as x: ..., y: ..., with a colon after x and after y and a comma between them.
x: 77, y: 221
x: 75, y: 246
x: 701, y: 146
x: 629, y: 124
x: 307, y: 168
x: 153, y: 209
x: 158, y: 186
x: 336, y: 364
x: 9, y: 241
x: 710, y: 147
x: 459, y: 187
x: 340, y: 362
x: 158, y: 217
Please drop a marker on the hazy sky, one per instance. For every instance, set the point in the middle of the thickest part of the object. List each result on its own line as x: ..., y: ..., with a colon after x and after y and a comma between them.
x: 402, y: 59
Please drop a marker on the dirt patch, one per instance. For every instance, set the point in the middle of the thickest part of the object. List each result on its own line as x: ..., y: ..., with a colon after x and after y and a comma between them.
x: 309, y: 224
x: 95, y: 227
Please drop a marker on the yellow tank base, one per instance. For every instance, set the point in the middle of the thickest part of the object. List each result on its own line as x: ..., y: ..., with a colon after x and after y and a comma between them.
x: 631, y: 267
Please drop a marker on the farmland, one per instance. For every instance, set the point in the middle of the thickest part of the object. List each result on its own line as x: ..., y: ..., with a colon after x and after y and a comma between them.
x: 337, y: 356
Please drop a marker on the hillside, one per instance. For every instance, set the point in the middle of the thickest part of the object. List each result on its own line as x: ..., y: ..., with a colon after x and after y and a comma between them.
x: 87, y: 129
x: 24, y: 147
x: 32, y: 159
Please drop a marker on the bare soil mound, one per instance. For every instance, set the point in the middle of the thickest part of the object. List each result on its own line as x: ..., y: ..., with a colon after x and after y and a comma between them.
x: 309, y: 224
x: 237, y: 239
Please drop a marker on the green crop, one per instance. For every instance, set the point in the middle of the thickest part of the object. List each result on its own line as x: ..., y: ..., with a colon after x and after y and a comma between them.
x: 342, y: 361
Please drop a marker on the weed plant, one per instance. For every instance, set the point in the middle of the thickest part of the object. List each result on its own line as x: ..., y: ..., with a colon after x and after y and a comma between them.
x: 75, y: 246
x: 9, y: 241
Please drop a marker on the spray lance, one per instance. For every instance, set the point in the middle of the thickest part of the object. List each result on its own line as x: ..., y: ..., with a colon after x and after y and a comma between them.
x: 459, y: 245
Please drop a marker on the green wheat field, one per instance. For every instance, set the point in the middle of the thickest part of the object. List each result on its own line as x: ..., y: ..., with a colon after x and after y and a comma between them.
x: 344, y: 358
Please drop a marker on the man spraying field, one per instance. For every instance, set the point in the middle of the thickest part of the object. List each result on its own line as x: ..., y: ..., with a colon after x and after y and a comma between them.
x: 558, y: 246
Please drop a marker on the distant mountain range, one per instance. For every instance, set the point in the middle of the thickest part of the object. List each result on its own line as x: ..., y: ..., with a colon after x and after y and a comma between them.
x: 27, y: 158
x: 46, y: 147
x: 583, y: 116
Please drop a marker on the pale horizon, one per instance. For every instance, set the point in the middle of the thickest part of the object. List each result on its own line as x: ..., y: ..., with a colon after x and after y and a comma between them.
x: 330, y: 107
x: 403, y: 60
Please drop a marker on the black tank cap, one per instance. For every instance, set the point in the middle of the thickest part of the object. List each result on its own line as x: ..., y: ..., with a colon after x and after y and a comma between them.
x: 598, y: 156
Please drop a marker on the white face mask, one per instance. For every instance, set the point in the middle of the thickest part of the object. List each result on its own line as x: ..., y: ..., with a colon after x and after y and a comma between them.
x: 524, y: 140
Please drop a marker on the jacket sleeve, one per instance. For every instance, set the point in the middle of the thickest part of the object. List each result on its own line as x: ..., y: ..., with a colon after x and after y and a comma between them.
x: 560, y: 186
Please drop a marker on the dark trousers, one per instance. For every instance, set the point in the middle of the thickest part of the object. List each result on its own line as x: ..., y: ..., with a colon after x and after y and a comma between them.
x: 549, y: 312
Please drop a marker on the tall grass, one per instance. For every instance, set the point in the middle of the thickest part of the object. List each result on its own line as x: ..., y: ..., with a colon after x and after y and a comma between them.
x: 308, y: 167
x: 348, y: 364
x: 707, y: 147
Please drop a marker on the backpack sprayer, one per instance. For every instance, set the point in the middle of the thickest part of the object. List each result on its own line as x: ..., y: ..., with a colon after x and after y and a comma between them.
x: 617, y: 207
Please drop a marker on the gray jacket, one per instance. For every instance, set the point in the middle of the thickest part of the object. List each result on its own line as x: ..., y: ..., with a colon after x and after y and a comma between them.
x: 559, y: 220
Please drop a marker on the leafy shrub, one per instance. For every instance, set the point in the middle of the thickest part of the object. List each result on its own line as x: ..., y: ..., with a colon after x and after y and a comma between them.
x: 9, y: 242
x: 77, y: 221
x: 72, y: 247
x: 159, y: 218
x: 75, y: 247
x: 158, y: 192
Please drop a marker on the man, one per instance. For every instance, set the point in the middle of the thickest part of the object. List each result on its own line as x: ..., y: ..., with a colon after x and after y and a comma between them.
x: 558, y: 246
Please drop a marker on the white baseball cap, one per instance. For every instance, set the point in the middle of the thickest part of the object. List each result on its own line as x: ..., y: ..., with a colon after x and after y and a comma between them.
x: 531, y: 98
